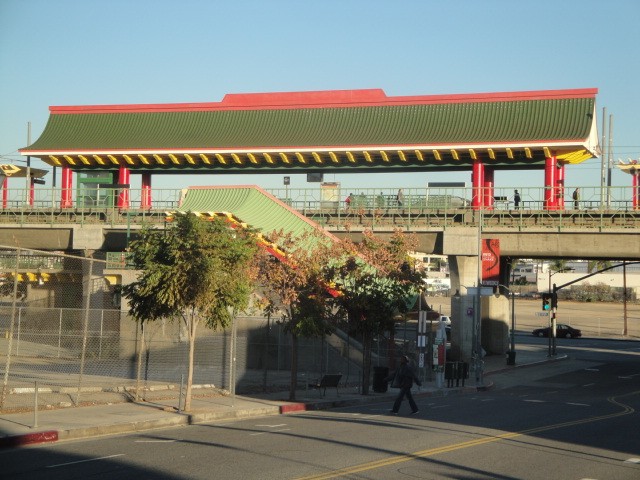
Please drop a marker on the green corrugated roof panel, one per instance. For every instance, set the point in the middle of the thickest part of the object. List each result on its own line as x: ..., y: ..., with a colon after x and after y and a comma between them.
x: 430, y: 124
x: 251, y: 205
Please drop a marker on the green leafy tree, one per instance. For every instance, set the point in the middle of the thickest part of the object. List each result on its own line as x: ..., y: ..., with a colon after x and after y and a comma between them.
x: 195, y: 271
x: 597, y: 265
x: 376, y: 281
x: 294, y: 290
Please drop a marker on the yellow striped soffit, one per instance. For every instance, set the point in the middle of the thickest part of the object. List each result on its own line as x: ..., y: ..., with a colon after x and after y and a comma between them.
x: 268, y: 158
x: 252, y: 158
x: 69, y: 160
x: 113, y: 159
x: 350, y: 157
x: 204, y: 158
x: 158, y: 158
x: 284, y: 158
x: 333, y: 157
x: 98, y: 159
x: 128, y: 159
x: 221, y: 159
x: 174, y: 159
x: 575, y: 157
x: 189, y: 159
x: 84, y: 159
x: 317, y: 157
x: 143, y: 159
x: 300, y: 157
x: 55, y: 160
x: 419, y: 155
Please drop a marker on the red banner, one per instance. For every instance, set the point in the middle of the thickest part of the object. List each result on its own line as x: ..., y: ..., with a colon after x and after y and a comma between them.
x: 490, y: 261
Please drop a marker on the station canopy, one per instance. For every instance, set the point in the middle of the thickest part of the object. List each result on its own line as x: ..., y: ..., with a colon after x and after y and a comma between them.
x: 324, y: 132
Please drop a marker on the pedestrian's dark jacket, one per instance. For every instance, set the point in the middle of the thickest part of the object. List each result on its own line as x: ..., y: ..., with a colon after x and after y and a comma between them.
x: 403, y: 377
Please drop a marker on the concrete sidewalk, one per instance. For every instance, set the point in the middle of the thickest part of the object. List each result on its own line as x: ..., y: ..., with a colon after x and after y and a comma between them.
x: 18, y: 429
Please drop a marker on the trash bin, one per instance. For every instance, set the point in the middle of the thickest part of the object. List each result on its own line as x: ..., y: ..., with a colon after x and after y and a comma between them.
x: 379, y: 374
x: 511, y: 358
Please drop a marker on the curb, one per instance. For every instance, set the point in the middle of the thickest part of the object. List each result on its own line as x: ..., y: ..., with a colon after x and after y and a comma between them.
x: 50, y: 436
x: 558, y: 358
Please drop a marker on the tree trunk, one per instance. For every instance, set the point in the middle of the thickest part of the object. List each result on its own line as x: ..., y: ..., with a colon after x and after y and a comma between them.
x: 294, y: 367
x: 192, y: 344
x: 367, y: 341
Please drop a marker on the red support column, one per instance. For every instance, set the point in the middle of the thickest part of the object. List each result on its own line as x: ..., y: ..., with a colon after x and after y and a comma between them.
x: 32, y: 192
x: 560, y: 187
x: 145, y: 201
x: 5, y: 192
x: 550, y: 176
x: 477, y: 181
x: 67, y: 188
x: 123, y: 196
x: 488, y: 188
x: 635, y: 194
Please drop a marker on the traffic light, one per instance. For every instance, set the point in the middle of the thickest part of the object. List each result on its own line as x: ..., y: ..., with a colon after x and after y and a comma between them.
x: 554, y: 300
x: 546, y: 301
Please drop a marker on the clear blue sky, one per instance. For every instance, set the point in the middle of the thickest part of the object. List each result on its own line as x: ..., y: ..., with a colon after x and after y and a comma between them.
x: 86, y: 52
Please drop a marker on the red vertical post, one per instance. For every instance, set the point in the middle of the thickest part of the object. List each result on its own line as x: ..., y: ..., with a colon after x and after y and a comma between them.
x: 477, y: 181
x: 123, y: 196
x: 145, y: 201
x: 550, y: 183
x: 635, y: 197
x: 488, y: 188
x: 560, y: 186
x: 67, y: 188
x: 32, y: 192
x: 5, y: 192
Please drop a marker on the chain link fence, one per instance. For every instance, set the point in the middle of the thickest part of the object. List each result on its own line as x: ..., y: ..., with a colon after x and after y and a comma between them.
x: 66, y: 340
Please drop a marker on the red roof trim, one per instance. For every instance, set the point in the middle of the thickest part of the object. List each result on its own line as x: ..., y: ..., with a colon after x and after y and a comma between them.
x: 306, y: 148
x: 323, y: 99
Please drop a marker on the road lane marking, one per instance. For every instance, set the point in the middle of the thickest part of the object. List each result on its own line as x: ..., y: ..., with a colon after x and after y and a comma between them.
x: 578, y: 404
x: 156, y: 441
x: 272, y: 426
x: 632, y: 460
x: 588, y: 384
x: 85, y: 461
x: 535, y: 401
x: 626, y: 410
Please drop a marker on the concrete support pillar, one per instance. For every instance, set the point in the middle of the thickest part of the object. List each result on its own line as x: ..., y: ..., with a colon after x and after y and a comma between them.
x: 66, y: 194
x: 477, y: 182
x: 550, y: 180
x: 488, y: 188
x: 494, y: 312
x: 145, y: 201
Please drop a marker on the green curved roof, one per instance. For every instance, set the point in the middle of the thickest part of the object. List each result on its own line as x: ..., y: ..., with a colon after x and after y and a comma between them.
x: 321, y: 129
x: 251, y: 205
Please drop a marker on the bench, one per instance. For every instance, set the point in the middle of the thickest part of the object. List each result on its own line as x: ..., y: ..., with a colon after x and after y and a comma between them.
x: 329, y: 380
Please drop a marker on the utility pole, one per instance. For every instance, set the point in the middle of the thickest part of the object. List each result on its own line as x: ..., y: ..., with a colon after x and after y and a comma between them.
x: 28, y: 176
x: 609, y: 161
x: 603, y: 156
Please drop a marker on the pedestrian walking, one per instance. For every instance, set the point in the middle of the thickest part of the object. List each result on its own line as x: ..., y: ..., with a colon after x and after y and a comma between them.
x: 403, y: 378
x: 400, y: 198
x: 347, y: 201
x: 516, y: 200
x: 576, y: 199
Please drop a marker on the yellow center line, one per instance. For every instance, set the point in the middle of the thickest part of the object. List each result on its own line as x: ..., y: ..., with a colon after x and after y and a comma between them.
x: 626, y: 410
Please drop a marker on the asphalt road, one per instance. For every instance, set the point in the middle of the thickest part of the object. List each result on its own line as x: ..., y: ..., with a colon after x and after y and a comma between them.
x: 574, y: 419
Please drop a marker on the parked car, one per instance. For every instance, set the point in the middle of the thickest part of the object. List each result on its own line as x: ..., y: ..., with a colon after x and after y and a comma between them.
x: 446, y: 319
x: 562, y: 331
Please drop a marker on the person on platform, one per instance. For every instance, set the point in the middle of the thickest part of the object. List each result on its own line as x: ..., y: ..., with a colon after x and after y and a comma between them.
x: 516, y: 200
x: 400, y: 198
x: 576, y: 199
x: 403, y: 378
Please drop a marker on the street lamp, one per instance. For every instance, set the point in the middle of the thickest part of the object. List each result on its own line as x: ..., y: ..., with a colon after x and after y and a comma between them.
x: 511, y: 355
